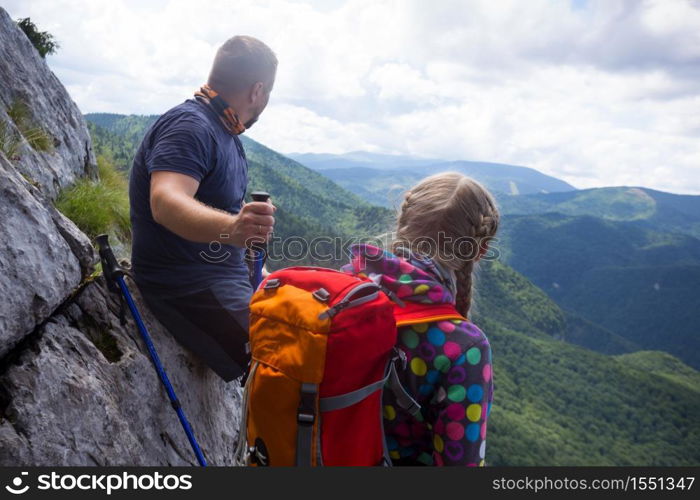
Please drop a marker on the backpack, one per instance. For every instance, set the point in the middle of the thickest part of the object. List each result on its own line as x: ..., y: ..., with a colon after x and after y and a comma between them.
x: 322, y: 344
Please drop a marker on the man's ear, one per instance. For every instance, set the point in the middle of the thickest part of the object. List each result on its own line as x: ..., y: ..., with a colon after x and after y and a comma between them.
x: 256, y: 91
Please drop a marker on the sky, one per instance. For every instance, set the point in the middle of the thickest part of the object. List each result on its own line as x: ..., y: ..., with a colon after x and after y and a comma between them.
x: 597, y: 93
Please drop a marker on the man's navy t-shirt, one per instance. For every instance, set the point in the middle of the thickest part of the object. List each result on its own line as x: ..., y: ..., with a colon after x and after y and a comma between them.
x: 189, y: 139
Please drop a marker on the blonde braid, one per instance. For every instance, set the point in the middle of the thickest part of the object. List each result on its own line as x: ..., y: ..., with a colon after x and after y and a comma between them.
x: 464, y: 287
x: 455, y: 206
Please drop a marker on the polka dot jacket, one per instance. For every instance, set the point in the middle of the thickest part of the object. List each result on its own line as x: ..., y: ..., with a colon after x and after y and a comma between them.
x: 449, y: 369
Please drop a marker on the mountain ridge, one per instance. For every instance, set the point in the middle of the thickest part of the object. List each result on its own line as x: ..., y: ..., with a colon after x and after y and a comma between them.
x: 656, y: 209
x: 381, y: 179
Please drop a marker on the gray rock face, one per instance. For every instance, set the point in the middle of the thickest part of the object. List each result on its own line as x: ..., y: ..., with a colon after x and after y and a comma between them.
x: 25, y: 76
x: 38, y: 269
x: 77, y: 387
x: 83, y: 391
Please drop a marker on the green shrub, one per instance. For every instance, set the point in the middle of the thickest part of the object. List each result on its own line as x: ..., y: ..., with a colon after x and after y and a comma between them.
x: 99, y: 206
x: 43, y: 41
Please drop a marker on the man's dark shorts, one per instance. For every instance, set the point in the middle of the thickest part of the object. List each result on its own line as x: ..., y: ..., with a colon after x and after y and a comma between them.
x: 203, y: 323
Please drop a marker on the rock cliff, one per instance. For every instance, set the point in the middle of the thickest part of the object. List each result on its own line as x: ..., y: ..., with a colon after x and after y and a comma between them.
x: 76, y: 386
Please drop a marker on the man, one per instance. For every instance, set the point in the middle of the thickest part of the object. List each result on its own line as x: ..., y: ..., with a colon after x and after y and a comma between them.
x: 189, y: 221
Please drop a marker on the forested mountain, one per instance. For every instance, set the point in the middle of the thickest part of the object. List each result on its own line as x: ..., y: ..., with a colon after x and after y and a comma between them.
x: 643, y: 207
x: 118, y: 136
x: 326, y: 161
x: 615, y: 269
x: 555, y: 403
x: 382, y: 179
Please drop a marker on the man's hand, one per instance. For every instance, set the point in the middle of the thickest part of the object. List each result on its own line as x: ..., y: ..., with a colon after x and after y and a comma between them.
x: 174, y: 206
x: 253, y: 224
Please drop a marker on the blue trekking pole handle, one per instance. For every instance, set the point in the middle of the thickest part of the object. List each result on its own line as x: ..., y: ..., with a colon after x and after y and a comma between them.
x: 260, y: 249
x: 114, y: 273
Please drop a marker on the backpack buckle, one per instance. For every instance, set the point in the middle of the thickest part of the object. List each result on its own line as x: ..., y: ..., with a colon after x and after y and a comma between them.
x: 306, y: 413
x: 400, y: 355
x: 322, y: 295
x: 305, y: 418
x: 272, y: 283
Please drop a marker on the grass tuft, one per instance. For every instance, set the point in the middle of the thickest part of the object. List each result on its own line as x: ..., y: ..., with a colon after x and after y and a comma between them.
x: 9, y: 142
x: 99, y: 206
x: 38, y: 138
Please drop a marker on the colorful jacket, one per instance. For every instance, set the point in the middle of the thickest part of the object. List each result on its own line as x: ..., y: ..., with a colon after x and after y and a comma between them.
x: 449, y: 369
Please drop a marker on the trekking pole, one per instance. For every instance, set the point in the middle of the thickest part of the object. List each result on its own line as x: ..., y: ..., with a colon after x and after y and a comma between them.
x: 260, y: 249
x: 114, y: 275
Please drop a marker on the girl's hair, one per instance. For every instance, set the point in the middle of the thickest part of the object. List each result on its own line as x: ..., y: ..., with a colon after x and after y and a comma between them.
x: 448, y: 217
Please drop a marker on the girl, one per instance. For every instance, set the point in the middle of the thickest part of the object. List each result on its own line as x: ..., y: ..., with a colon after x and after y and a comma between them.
x: 444, y: 226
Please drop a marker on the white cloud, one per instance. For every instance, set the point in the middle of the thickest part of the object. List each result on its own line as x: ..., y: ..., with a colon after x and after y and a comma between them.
x: 597, y: 92
x: 297, y: 129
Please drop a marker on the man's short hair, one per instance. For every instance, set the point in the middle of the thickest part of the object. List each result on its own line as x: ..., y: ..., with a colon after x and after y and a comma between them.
x: 241, y: 62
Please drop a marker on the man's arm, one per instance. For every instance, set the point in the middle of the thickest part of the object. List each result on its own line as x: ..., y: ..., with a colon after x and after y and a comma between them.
x: 174, y: 206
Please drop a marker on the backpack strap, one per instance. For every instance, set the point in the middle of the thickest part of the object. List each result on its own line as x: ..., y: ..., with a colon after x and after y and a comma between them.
x: 341, y: 401
x: 403, y: 398
x: 332, y: 403
x: 306, y: 416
